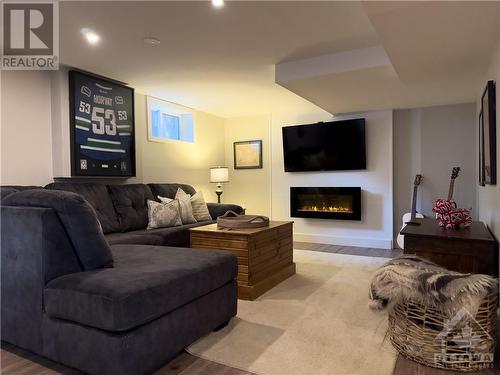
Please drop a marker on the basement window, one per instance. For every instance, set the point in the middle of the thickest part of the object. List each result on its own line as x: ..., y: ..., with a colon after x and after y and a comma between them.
x: 169, y: 122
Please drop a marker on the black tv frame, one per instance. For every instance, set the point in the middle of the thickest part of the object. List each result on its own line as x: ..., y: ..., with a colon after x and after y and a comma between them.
x: 322, y: 123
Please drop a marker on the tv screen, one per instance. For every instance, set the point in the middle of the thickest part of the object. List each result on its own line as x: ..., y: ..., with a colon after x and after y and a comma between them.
x: 326, y: 146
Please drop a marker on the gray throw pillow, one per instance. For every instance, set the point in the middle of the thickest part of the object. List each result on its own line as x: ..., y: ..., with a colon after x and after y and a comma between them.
x: 163, y: 215
x: 185, y: 207
x: 200, y: 209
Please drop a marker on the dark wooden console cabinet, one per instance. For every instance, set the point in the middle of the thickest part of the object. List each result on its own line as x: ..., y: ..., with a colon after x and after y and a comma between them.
x: 473, y: 250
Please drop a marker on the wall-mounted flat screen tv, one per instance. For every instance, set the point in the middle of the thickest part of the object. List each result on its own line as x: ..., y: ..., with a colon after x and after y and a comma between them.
x: 325, y: 146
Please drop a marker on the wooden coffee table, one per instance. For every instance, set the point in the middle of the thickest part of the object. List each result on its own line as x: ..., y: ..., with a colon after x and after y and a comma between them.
x: 265, y: 255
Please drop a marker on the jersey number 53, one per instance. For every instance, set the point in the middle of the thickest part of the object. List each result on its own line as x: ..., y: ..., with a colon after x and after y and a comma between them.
x: 99, y: 125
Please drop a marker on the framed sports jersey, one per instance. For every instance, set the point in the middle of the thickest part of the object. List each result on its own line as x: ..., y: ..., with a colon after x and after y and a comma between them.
x: 102, y: 126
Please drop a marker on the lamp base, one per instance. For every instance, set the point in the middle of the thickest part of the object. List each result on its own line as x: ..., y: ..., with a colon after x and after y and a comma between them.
x: 218, y: 191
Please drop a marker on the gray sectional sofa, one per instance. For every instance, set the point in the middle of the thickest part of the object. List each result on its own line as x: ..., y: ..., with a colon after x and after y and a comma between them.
x: 85, y: 284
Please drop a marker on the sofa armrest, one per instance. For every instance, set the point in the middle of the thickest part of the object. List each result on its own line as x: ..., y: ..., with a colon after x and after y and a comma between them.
x: 219, y: 209
x: 35, y: 249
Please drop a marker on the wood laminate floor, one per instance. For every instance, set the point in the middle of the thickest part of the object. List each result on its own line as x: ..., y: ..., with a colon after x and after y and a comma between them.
x: 16, y: 361
x: 406, y: 367
x: 348, y: 250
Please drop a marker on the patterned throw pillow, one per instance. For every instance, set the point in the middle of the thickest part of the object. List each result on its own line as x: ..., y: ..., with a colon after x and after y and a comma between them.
x: 200, y: 209
x: 162, y: 215
x: 185, y: 207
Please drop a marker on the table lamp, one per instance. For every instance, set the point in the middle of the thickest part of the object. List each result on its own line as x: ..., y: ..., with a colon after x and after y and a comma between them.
x: 218, y: 175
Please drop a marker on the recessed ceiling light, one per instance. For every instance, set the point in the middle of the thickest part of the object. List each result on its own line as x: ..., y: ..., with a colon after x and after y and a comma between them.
x: 217, y: 3
x: 150, y: 40
x: 91, y: 36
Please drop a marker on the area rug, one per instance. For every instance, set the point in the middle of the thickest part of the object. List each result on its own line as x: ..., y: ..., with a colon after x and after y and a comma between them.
x: 316, y: 322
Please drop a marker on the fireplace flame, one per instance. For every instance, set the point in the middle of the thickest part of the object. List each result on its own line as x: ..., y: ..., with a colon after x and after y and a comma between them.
x: 326, y: 208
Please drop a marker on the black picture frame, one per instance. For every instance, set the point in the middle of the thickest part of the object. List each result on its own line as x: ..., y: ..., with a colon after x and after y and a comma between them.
x: 111, y: 153
x: 488, y: 109
x: 238, y: 148
x: 481, y: 149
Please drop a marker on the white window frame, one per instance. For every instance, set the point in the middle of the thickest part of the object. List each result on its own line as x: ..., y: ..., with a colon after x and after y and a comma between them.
x: 172, y: 109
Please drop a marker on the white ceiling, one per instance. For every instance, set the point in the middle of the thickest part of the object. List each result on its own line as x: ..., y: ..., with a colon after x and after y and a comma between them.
x: 438, y: 53
x: 222, y: 61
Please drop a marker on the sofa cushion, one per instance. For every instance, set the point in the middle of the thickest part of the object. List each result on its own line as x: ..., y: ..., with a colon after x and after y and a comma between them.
x: 98, y: 196
x: 146, y: 283
x: 173, y: 236
x: 78, y: 218
x: 176, y: 236
x: 6, y: 191
x: 9, y: 189
x: 130, y: 203
x: 169, y: 190
x: 138, y: 237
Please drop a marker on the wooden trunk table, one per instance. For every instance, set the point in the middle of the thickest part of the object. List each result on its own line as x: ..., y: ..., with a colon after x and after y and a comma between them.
x: 265, y: 255
x: 471, y: 250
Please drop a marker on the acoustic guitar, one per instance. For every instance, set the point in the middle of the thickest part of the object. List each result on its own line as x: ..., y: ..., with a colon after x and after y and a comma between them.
x: 454, y: 174
x: 453, y: 177
x: 409, y: 217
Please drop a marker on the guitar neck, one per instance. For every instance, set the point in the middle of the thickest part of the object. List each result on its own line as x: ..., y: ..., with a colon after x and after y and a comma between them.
x: 414, y: 204
x: 450, y: 191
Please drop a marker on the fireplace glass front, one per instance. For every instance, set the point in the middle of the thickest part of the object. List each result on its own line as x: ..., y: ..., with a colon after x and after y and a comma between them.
x: 342, y: 203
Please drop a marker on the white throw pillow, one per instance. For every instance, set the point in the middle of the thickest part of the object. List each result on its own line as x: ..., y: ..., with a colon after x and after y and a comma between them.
x: 200, y: 208
x: 163, y: 215
x: 185, y: 206
x: 164, y: 199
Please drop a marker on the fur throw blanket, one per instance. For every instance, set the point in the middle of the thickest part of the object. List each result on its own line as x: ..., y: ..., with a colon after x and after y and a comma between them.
x: 412, y: 278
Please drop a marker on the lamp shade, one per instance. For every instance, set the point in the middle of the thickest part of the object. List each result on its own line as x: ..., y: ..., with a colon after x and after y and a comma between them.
x: 219, y: 174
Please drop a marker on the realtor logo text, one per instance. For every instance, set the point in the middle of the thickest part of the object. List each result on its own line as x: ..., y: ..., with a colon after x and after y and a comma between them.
x: 30, y: 36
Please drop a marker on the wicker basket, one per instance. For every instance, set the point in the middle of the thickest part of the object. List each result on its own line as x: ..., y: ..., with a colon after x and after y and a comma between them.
x: 421, y: 334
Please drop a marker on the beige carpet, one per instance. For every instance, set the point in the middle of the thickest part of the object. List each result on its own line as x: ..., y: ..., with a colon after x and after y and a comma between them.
x: 316, y: 322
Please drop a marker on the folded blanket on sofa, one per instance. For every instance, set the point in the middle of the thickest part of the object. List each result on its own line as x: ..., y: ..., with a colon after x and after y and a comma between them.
x: 412, y: 278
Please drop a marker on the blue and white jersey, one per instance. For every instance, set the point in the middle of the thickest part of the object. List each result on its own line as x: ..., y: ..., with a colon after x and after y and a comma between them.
x: 102, y: 123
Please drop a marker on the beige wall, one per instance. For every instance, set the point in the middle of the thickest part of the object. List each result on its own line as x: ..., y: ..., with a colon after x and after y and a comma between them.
x: 34, y: 148
x: 180, y: 161
x: 250, y: 188
x: 267, y: 191
x: 35, y: 137
x: 26, y: 155
x: 431, y: 141
x: 489, y: 195
x: 61, y: 151
x: 375, y: 227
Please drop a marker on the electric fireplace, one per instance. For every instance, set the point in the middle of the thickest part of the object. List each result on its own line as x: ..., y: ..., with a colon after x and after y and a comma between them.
x: 343, y: 203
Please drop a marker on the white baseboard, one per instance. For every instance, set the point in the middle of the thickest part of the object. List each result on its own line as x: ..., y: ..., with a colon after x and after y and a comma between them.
x: 343, y: 241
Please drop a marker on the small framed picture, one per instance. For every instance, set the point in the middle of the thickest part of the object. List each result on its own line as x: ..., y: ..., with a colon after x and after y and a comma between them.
x: 248, y: 154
